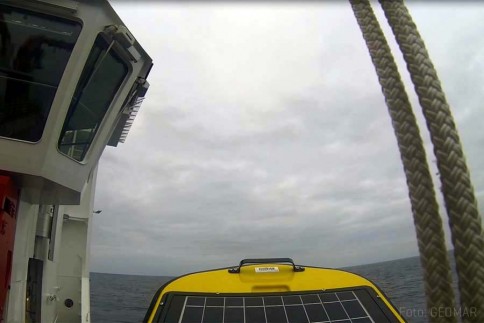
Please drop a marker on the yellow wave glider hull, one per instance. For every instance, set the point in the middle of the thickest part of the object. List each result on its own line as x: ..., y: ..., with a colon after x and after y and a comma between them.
x: 271, y: 292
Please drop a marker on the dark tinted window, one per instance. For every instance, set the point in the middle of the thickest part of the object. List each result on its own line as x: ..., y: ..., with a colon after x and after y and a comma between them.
x: 34, y: 51
x: 100, y: 80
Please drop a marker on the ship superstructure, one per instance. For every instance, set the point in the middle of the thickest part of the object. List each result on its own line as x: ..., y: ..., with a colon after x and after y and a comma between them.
x: 72, y: 78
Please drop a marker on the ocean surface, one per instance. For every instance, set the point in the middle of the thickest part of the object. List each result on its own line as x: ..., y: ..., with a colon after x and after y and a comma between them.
x: 125, y: 298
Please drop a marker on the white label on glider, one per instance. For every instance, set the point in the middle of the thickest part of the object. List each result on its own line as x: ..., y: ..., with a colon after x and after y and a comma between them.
x: 266, y: 269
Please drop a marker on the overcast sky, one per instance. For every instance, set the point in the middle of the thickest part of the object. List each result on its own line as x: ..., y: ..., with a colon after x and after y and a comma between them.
x: 265, y: 134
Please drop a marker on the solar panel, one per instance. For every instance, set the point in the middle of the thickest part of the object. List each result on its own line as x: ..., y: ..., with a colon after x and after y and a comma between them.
x: 345, y: 306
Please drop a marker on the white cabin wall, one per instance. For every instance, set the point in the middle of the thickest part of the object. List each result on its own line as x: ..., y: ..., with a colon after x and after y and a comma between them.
x: 50, y: 284
x: 73, y: 254
x: 23, y: 250
x: 67, y: 274
x: 27, y: 246
x: 49, y: 291
x: 86, y: 269
x: 73, y: 270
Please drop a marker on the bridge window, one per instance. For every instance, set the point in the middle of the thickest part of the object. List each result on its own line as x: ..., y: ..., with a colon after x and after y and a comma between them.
x: 100, y: 80
x: 34, y: 51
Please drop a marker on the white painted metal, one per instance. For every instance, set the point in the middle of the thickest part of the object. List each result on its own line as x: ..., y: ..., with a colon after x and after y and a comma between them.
x: 60, y: 240
x: 24, y: 249
x: 40, y: 167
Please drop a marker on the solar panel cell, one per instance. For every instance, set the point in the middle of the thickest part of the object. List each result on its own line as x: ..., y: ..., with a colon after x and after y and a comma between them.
x: 328, y: 297
x: 292, y: 300
x: 234, y: 301
x: 234, y: 315
x: 296, y: 314
x: 192, y: 315
x: 253, y: 301
x: 310, y: 299
x: 344, y: 296
x: 213, y: 315
x: 215, y: 301
x: 316, y: 313
x: 273, y: 300
x: 354, y: 309
x: 276, y: 314
x: 335, y: 311
x: 195, y: 301
x: 255, y: 314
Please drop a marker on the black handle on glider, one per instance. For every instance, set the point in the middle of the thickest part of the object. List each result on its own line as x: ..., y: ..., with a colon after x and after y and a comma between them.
x: 295, y: 268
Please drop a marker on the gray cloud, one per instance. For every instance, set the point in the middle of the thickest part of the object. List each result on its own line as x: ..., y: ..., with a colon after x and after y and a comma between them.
x: 265, y: 134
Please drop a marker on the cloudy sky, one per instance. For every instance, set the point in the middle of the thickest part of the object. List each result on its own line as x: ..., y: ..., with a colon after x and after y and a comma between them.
x: 265, y: 134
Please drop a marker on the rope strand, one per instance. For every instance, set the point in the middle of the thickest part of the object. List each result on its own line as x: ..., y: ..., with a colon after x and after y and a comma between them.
x: 460, y: 202
x: 428, y: 223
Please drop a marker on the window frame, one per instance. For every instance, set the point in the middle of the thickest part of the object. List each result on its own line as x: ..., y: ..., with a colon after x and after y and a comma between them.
x: 111, y: 45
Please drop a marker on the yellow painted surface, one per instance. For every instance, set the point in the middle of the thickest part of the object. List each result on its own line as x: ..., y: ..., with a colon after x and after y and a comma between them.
x: 250, y: 281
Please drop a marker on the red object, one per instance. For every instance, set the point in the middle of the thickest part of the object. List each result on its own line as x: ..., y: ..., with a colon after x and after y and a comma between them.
x: 8, y: 219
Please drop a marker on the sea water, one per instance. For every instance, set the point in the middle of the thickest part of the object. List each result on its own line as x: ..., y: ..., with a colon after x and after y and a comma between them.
x: 125, y: 298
